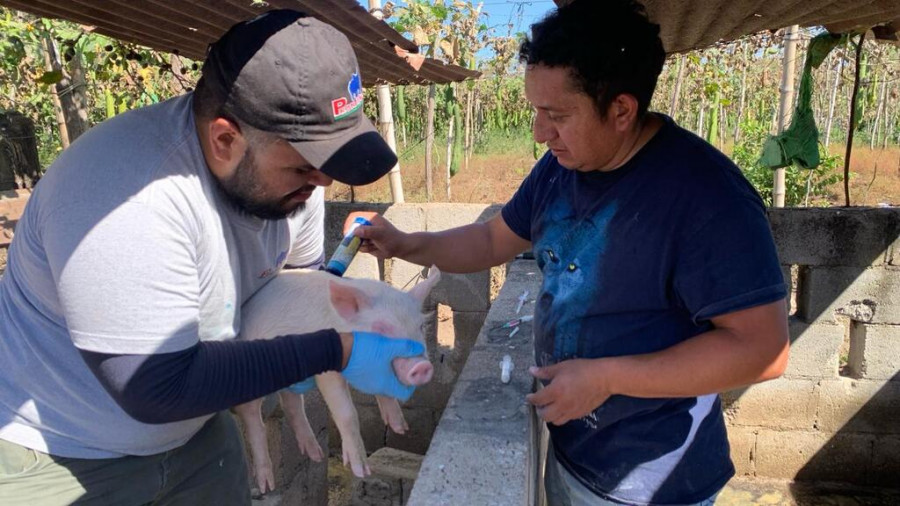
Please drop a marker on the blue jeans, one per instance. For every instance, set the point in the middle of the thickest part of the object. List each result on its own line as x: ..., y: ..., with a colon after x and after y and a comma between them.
x: 563, y: 489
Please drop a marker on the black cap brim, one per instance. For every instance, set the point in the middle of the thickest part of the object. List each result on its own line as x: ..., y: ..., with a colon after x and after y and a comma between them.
x: 358, y: 156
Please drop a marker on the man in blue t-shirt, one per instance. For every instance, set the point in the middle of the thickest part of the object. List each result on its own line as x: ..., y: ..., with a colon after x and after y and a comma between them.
x: 661, y: 285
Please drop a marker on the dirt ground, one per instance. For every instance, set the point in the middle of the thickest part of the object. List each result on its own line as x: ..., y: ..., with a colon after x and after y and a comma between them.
x: 874, y: 178
x: 489, y: 179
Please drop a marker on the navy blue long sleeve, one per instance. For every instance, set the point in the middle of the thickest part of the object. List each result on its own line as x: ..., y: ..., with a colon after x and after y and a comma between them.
x: 211, y: 376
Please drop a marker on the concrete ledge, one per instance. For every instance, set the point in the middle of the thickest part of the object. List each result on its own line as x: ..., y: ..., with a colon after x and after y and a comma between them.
x: 482, y: 447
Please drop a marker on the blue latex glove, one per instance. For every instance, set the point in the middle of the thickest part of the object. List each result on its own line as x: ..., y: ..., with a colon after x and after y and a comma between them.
x: 303, y: 386
x: 369, y: 369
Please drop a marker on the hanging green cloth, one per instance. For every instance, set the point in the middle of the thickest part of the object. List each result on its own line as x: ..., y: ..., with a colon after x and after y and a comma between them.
x: 799, y: 143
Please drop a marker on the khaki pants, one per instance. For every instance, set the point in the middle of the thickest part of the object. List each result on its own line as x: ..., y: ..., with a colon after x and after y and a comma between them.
x: 208, y: 470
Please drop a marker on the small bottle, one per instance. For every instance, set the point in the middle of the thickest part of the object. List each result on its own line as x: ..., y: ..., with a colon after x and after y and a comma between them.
x: 347, y: 249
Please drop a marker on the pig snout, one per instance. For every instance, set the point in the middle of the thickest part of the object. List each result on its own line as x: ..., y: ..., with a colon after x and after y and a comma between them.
x: 413, y: 371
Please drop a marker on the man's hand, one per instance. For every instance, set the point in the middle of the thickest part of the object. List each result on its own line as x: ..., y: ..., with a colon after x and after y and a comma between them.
x: 370, y: 367
x: 381, y: 238
x: 576, y: 388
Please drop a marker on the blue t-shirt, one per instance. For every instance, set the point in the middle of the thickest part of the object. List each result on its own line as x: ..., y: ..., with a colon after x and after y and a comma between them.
x: 635, y: 261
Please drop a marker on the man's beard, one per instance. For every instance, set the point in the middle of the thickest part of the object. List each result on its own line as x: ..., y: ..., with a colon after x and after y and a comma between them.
x: 243, y: 190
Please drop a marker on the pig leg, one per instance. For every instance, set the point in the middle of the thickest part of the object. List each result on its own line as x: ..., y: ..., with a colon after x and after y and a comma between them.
x: 391, y: 414
x: 337, y: 396
x: 296, y: 413
x: 251, y: 416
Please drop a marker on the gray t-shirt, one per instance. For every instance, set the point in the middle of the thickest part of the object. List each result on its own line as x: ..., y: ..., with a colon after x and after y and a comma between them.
x: 127, y: 246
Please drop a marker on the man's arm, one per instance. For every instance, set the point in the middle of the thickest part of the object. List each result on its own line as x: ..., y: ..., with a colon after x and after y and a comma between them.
x: 212, y: 376
x: 745, y: 347
x: 469, y: 248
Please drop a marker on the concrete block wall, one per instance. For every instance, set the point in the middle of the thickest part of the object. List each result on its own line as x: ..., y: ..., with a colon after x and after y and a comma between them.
x: 833, y: 415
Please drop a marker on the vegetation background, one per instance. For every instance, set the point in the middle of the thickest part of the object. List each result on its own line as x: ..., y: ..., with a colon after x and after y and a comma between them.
x: 66, y: 78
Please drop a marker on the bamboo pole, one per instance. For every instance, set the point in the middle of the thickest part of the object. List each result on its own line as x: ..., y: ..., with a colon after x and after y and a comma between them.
x: 51, y: 60
x: 787, y: 103
x: 673, y: 105
x: 386, y: 120
x: 429, y: 143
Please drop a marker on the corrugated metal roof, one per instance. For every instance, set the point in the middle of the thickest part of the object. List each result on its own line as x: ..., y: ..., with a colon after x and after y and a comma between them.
x: 186, y: 27
x: 695, y: 24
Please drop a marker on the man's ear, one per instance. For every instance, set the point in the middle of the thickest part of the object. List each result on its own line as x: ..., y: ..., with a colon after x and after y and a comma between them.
x: 623, y: 111
x: 226, y: 142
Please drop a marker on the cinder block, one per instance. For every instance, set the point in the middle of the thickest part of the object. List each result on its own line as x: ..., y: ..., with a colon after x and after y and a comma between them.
x: 446, y: 216
x: 843, y: 458
x: 786, y: 275
x: 406, y: 217
x: 448, y: 361
x: 849, y: 405
x: 834, y: 237
x: 364, y: 267
x: 336, y: 213
x: 3, y: 255
x: 782, y: 403
x: 826, y: 289
x: 814, y: 349
x: 784, y: 454
x: 464, y: 292
x: 743, y: 449
x: 881, y: 356
x: 885, y: 462
x: 404, y: 275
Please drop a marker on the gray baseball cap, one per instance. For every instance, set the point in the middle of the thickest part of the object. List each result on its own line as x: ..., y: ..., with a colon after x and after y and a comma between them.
x: 294, y: 76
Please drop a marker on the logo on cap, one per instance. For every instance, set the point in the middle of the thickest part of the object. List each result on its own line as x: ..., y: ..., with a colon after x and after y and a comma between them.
x: 342, y: 107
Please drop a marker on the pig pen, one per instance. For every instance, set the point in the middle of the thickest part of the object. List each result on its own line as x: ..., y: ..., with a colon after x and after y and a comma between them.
x: 472, y: 439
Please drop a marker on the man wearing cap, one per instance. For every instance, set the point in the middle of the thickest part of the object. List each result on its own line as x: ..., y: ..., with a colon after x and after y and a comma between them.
x: 121, y: 301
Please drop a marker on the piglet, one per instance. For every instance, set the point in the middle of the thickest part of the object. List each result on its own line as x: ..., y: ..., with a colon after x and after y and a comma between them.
x: 300, y: 301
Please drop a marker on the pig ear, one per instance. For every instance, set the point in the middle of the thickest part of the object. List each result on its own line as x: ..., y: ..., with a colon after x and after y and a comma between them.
x: 347, y: 300
x: 421, y: 290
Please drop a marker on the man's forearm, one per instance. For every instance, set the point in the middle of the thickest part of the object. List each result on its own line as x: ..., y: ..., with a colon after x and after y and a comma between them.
x: 459, y: 250
x: 211, y: 376
x: 712, y: 362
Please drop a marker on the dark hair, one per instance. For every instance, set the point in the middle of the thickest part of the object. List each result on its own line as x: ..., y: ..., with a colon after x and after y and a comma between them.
x: 609, y: 46
x: 208, y: 104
